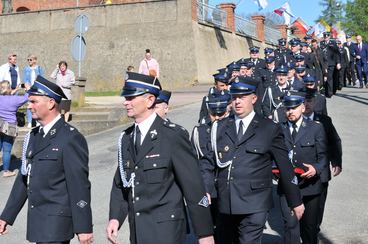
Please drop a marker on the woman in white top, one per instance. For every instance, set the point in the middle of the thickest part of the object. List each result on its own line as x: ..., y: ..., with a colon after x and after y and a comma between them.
x: 64, y: 78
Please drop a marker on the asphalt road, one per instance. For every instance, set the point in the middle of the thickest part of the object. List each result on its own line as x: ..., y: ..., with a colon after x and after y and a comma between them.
x: 345, y: 218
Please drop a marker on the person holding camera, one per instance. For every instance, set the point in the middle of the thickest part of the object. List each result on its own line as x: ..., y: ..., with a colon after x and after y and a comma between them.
x: 9, y: 105
x: 64, y: 78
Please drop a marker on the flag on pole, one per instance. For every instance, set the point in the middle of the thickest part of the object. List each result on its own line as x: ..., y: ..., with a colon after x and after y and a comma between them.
x: 261, y: 4
x: 285, y: 11
x: 317, y: 30
x: 301, y: 25
x: 324, y: 23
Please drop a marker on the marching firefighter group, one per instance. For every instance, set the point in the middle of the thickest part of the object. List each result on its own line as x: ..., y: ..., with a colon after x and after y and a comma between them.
x: 272, y: 110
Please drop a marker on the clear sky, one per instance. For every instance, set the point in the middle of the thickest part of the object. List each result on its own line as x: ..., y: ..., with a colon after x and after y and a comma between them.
x: 308, y: 10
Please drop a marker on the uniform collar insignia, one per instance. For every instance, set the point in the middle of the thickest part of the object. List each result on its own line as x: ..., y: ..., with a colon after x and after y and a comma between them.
x: 153, y: 134
x: 304, y: 124
x: 52, y: 132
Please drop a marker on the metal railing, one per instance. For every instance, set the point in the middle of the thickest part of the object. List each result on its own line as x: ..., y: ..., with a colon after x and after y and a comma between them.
x: 246, y: 27
x: 272, y: 35
x: 211, y: 15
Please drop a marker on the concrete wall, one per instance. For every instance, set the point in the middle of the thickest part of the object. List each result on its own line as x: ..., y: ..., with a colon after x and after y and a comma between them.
x: 117, y: 37
x: 188, y: 52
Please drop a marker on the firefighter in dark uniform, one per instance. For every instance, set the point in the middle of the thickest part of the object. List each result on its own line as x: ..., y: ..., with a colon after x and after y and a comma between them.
x: 268, y: 52
x: 332, y: 59
x: 221, y: 83
x: 272, y: 104
x: 350, y: 71
x: 334, y: 148
x: 54, y: 174
x: 282, y: 53
x: 219, y: 108
x: 245, y: 146
x: 320, y: 105
x: 306, y: 142
x: 157, y: 169
x: 162, y: 104
x: 300, y: 72
x: 259, y: 63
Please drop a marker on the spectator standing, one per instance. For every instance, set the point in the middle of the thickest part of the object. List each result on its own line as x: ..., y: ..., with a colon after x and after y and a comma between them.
x: 361, y: 51
x: 64, y: 78
x: 30, y: 73
x: 149, y: 66
x: 10, y: 71
x: 9, y: 105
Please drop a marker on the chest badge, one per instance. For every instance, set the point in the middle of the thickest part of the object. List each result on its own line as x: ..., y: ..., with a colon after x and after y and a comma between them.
x: 153, y: 134
x: 220, y: 155
x: 226, y: 148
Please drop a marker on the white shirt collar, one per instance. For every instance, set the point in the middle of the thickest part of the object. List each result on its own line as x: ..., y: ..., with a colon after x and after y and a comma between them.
x: 48, y: 127
x: 246, y: 121
x: 145, y: 125
x: 298, y: 123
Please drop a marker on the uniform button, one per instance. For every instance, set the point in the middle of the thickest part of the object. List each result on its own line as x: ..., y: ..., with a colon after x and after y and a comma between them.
x: 172, y: 216
x: 234, y: 157
x: 233, y: 167
x: 154, y: 165
x: 294, y: 152
x: 136, y: 167
x: 137, y: 198
x: 32, y: 206
x: 137, y: 214
x: 294, y: 146
x: 137, y: 183
x: 231, y: 178
x: 255, y: 150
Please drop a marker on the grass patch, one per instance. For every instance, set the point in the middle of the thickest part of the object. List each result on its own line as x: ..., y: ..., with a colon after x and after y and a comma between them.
x: 102, y: 94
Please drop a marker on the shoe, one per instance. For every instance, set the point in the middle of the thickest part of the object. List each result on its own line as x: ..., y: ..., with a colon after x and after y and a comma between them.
x: 9, y: 174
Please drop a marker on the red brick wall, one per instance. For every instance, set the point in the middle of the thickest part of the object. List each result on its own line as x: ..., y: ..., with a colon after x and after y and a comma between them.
x: 34, y: 5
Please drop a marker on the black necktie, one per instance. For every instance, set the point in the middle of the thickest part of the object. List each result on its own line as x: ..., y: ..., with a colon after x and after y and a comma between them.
x: 293, y: 134
x: 240, y: 130
x: 38, y: 138
x: 137, y: 139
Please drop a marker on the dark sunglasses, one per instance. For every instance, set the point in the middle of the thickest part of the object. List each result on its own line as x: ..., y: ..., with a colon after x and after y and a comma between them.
x: 29, y: 59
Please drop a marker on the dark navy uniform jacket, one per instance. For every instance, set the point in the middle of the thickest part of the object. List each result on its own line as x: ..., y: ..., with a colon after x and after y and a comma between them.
x: 166, y: 171
x: 310, y: 147
x: 334, y: 146
x: 245, y: 186
x: 59, y: 190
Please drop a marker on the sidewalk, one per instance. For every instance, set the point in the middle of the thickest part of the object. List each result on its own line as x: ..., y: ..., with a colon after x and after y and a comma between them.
x: 180, y: 97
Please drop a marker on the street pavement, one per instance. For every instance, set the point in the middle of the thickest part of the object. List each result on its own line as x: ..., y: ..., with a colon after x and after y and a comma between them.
x: 345, y: 220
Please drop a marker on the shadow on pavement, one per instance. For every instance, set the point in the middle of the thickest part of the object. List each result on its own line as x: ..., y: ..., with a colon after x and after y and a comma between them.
x: 354, y: 98
x: 323, y: 239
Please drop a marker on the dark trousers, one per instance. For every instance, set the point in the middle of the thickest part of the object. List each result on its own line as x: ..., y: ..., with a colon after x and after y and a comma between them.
x: 322, y: 204
x: 329, y: 84
x: 361, y: 66
x: 306, y: 228
x: 350, y: 73
x: 241, y: 228
x: 58, y: 242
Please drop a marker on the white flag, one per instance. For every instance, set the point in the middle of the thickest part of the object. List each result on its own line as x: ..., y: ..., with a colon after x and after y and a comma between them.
x: 261, y: 4
x: 287, y: 13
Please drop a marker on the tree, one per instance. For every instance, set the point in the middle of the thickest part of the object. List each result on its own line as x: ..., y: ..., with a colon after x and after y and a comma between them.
x: 332, y: 12
x: 356, y: 18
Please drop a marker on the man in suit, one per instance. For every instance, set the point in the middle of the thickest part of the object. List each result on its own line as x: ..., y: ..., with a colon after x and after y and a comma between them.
x: 306, y: 142
x: 334, y: 147
x: 361, y: 51
x: 245, y: 146
x: 54, y: 175
x: 157, y: 170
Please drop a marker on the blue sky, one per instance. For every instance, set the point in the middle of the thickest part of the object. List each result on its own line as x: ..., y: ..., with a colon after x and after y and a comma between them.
x: 308, y: 10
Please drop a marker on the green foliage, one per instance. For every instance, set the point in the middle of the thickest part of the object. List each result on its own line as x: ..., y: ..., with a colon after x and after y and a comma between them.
x: 332, y: 12
x: 356, y: 18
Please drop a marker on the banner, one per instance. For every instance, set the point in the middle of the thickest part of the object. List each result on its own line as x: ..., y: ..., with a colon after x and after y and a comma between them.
x: 285, y: 11
x: 262, y: 4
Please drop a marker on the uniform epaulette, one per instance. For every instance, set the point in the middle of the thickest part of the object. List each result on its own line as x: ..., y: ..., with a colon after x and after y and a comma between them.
x: 70, y: 128
x: 317, y: 122
x: 173, y: 125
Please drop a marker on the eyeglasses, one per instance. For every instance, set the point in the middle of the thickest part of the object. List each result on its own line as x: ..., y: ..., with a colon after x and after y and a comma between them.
x: 29, y: 59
